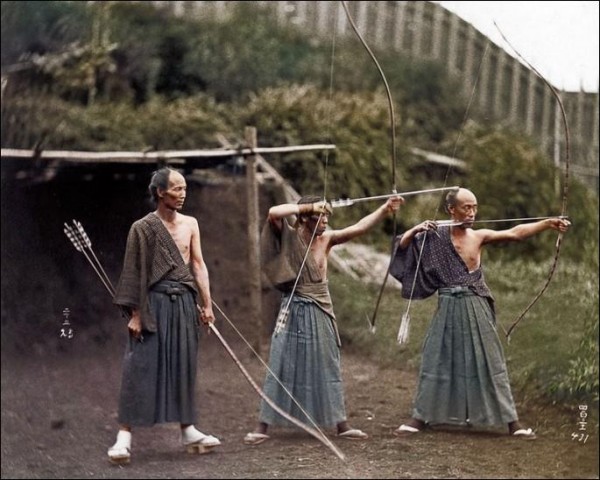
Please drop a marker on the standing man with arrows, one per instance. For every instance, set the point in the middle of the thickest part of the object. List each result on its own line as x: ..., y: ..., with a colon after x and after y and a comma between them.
x: 163, y: 274
x: 463, y: 378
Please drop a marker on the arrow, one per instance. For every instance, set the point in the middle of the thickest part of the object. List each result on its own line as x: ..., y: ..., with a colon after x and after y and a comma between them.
x: 346, y: 202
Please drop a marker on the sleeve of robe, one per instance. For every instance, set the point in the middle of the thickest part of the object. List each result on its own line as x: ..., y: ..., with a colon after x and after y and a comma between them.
x: 132, y: 289
x: 274, y: 253
x: 409, y: 270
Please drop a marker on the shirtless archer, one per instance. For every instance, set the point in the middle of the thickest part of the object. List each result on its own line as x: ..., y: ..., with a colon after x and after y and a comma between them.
x: 163, y: 274
x: 463, y: 378
x: 305, y: 355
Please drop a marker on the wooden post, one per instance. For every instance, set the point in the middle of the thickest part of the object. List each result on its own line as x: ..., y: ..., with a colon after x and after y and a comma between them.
x: 253, y: 241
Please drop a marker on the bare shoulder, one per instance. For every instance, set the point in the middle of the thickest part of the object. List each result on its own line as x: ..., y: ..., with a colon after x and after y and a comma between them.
x: 330, y: 237
x: 480, y: 232
x: 486, y: 235
x: 189, y: 220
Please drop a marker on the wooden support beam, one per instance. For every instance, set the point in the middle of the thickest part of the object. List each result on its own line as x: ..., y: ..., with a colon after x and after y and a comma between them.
x: 254, y: 270
x: 174, y: 156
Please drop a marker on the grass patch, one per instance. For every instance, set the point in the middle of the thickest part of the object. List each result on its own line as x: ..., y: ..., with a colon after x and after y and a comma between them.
x: 552, y: 354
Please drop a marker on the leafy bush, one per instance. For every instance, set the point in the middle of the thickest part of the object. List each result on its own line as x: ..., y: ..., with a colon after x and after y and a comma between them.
x: 157, y: 125
x: 39, y: 27
x: 513, y: 179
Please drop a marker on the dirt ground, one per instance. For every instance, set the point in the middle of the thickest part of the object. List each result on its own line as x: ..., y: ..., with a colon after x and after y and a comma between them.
x: 59, y: 418
x: 59, y: 396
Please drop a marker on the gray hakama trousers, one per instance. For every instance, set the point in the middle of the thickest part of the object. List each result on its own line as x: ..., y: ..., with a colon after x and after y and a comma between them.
x: 159, y: 374
x: 463, y: 378
x: 306, y: 359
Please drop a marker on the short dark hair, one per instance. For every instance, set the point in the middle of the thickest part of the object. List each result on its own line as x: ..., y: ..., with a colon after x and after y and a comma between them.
x: 309, y: 199
x: 303, y: 217
x: 160, y: 179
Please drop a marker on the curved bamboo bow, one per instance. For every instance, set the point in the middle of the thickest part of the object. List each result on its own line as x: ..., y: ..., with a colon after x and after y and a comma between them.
x: 312, y: 431
x: 393, y: 147
x: 565, y: 193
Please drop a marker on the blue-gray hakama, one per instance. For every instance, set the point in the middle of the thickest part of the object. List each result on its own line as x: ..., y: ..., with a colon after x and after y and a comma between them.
x: 305, y: 356
x: 306, y: 359
x: 463, y: 377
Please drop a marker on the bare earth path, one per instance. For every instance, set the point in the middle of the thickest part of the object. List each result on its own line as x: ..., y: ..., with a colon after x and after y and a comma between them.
x: 58, y: 418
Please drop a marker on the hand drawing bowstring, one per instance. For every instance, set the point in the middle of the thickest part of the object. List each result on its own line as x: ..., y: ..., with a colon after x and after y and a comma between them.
x: 403, y: 331
x: 281, y: 322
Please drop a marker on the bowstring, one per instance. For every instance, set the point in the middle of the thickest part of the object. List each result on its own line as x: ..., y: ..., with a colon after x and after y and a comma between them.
x: 448, y: 170
x: 282, y: 317
x: 565, y: 185
x: 392, y: 145
x: 275, y: 377
x: 329, y: 114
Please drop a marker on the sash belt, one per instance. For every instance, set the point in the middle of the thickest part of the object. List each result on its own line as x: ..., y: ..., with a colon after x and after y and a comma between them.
x: 170, y: 289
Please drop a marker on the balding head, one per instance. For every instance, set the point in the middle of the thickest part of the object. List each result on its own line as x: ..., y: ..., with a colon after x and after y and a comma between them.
x: 458, y: 196
x: 160, y: 180
x: 461, y: 205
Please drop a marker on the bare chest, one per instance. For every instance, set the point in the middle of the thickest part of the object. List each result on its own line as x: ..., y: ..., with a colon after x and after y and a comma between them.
x: 319, y: 254
x: 469, y: 249
x: 181, y: 235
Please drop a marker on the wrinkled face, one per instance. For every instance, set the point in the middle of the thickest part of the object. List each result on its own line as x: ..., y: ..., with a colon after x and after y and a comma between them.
x: 313, y: 222
x: 465, y: 209
x: 174, y: 196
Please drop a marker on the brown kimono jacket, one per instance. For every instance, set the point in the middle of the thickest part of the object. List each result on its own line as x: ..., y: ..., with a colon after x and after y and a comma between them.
x: 151, y: 255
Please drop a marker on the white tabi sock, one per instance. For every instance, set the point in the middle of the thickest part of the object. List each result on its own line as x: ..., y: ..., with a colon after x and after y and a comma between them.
x: 123, y: 442
x: 192, y: 435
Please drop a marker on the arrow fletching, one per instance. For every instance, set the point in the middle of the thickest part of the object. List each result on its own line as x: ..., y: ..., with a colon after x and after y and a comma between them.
x: 281, y: 320
x: 404, y: 329
x: 372, y: 327
x: 71, y: 236
x: 342, y: 202
x: 86, y: 239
